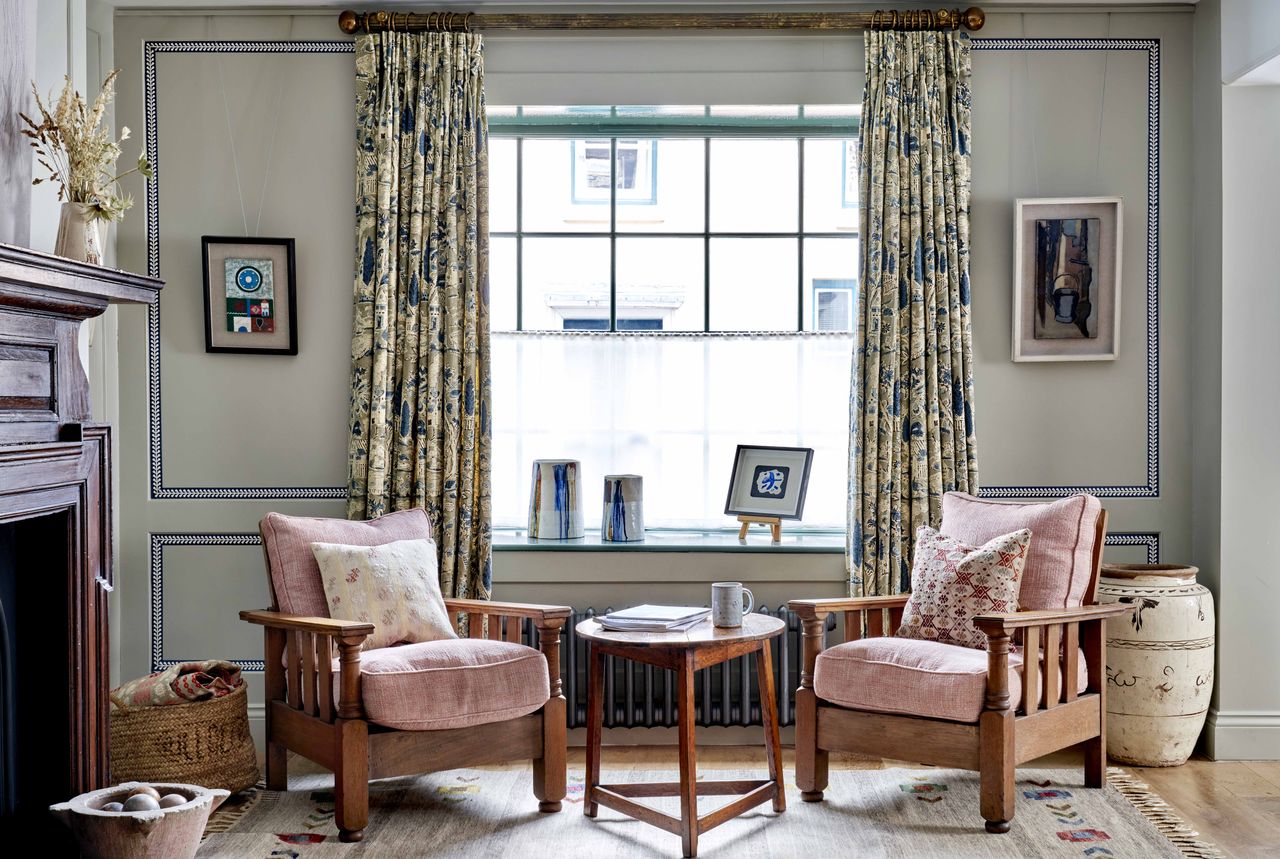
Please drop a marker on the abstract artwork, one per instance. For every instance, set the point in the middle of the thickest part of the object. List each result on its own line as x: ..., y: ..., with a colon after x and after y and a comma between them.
x: 769, y: 481
x: 1066, y: 259
x: 250, y: 295
x: 1066, y: 290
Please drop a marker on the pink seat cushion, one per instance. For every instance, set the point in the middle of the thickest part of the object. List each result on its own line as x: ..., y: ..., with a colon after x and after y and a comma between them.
x: 915, y: 678
x: 434, y: 685
x: 295, y: 575
x: 1060, y: 559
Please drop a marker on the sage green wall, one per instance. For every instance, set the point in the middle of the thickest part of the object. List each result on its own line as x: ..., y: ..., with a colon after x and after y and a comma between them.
x: 235, y: 420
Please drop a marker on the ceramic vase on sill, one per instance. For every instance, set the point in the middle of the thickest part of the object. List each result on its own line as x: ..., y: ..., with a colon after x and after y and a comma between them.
x: 78, y: 234
x: 623, y: 517
x: 555, y: 502
x: 1159, y: 662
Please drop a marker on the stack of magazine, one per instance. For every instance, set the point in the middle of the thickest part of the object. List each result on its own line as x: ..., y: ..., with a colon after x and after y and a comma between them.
x: 654, y: 618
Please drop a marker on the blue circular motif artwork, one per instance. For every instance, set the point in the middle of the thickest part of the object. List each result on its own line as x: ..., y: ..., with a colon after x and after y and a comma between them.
x: 249, y: 278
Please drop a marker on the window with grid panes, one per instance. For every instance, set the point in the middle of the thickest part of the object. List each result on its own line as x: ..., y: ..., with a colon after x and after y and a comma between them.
x: 665, y: 284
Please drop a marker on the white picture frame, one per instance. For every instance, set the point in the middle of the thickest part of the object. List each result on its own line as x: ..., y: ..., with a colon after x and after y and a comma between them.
x: 1075, y: 242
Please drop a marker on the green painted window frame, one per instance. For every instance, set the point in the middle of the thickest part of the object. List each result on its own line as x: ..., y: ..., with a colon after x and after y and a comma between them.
x: 631, y: 121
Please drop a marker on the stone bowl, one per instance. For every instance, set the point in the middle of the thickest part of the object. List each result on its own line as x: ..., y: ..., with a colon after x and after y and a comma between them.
x: 166, y: 833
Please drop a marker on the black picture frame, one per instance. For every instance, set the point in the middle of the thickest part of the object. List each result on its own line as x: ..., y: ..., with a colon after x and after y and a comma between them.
x: 290, y: 311
x: 749, y: 455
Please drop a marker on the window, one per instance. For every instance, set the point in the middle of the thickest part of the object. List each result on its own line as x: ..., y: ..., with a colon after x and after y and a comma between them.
x: 665, y: 284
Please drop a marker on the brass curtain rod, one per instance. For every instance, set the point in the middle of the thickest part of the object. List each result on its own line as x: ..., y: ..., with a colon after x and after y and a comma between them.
x: 467, y: 22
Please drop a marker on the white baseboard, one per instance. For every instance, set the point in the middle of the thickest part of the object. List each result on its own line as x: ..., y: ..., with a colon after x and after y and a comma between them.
x: 258, y: 726
x: 1243, y: 735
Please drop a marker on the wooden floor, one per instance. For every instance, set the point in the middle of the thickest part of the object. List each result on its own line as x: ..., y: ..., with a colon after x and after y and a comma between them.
x: 1234, y: 804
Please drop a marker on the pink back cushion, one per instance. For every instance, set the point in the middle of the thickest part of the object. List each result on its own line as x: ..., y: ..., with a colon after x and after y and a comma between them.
x: 1060, y: 560
x: 295, y: 575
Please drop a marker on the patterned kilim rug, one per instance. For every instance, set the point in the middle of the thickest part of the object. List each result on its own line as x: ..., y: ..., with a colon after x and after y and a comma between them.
x: 897, y: 813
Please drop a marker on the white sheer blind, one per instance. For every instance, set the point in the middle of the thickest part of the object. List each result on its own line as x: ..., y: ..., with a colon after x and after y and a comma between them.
x: 672, y: 408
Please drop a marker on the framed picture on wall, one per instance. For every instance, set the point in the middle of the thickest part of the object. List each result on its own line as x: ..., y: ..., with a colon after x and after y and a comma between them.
x: 769, y: 481
x: 250, y: 296
x: 1066, y: 279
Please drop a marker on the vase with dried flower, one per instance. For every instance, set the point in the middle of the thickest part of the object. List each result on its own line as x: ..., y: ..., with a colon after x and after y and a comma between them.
x: 80, y: 154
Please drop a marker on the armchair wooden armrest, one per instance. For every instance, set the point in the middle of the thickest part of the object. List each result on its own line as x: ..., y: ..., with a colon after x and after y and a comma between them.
x: 993, y: 624
x: 1049, y: 674
x: 815, y: 608
x: 548, y: 615
x: 549, y: 620
x: 299, y: 661
x: 813, y: 620
x: 303, y: 623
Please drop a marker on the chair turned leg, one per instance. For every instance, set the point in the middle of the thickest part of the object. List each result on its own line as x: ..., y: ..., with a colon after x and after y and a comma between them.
x: 277, y: 766
x: 351, y: 779
x: 549, y: 771
x: 811, y: 761
x: 995, y: 730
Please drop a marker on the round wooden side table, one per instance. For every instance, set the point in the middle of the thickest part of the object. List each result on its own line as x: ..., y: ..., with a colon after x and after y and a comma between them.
x: 684, y: 652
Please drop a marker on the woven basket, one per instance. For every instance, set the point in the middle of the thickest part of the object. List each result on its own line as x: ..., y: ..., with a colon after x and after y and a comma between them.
x: 204, y: 742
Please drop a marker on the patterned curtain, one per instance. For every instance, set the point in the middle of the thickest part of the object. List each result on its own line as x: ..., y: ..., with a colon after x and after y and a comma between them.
x: 420, y: 433
x: 911, y: 416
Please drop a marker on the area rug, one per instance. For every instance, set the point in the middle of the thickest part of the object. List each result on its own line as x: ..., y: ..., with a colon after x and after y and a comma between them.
x: 898, y: 813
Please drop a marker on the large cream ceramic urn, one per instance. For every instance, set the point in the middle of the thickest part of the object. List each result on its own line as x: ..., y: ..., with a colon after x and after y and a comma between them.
x: 1159, y: 662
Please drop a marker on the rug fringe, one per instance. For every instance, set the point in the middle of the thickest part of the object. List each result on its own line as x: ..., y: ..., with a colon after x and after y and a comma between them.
x: 226, y: 818
x: 1162, y: 815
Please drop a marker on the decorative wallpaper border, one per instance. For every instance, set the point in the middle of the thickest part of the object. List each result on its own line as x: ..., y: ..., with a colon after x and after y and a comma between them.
x: 1152, y: 48
x: 1150, y: 539
x: 160, y: 541
x: 155, y: 435
x: 155, y: 429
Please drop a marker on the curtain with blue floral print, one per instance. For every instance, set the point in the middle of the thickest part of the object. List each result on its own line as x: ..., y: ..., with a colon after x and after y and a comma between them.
x: 420, y: 382
x: 911, y: 407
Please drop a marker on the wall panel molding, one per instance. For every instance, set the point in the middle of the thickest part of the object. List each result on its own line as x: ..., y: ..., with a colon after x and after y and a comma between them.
x: 1151, y: 489
x: 159, y: 542
x: 159, y: 490
x: 155, y: 428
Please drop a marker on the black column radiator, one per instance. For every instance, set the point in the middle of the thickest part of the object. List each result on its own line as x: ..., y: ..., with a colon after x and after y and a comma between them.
x: 642, y: 696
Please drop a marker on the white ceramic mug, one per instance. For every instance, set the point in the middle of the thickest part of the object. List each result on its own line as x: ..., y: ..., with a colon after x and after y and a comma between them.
x: 726, y: 603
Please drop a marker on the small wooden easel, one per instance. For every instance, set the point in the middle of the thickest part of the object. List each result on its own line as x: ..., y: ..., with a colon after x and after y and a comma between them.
x: 774, y: 523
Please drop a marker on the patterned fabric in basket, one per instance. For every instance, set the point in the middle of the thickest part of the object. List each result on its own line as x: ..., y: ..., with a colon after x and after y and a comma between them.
x: 179, y: 684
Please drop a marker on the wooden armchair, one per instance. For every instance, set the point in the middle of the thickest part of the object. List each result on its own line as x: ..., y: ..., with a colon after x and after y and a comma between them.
x: 302, y: 672
x: 1050, y: 713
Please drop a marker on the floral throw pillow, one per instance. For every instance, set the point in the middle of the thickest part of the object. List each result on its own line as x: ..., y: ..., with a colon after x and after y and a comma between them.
x: 395, y: 586
x: 953, y: 582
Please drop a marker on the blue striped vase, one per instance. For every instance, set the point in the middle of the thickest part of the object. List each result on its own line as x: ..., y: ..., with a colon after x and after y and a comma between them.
x: 623, y: 520
x: 555, y: 502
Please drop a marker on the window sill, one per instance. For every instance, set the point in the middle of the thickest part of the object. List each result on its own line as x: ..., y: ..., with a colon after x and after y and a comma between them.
x: 663, y: 540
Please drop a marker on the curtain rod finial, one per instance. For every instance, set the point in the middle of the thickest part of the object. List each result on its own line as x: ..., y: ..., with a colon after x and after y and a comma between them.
x: 974, y: 18
x: 349, y: 22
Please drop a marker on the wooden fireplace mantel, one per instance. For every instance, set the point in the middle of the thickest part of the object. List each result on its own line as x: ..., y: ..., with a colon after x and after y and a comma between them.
x: 43, y: 300
x: 54, y: 461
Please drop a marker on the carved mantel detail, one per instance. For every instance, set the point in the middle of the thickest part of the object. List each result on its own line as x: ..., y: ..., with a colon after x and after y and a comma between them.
x: 54, y: 461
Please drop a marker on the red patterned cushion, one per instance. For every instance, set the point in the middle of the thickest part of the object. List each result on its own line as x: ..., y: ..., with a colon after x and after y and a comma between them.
x: 953, y: 582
